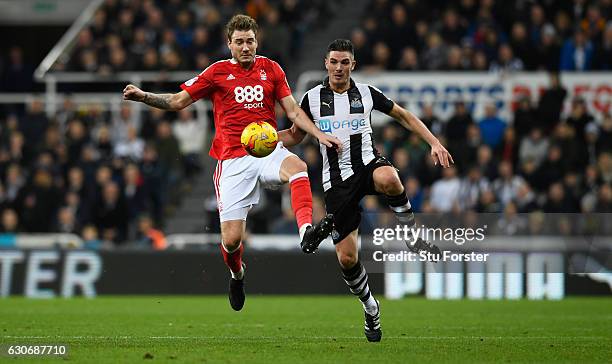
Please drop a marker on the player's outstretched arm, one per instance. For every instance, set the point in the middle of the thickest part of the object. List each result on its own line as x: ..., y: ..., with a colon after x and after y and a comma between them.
x: 292, y: 136
x: 171, y: 102
x: 298, y: 117
x: 411, y: 122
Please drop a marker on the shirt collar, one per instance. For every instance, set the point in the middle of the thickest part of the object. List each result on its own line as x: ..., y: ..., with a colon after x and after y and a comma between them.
x: 326, y: 83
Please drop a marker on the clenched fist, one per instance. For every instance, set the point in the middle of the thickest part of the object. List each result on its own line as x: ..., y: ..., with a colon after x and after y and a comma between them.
x: 131, y: 92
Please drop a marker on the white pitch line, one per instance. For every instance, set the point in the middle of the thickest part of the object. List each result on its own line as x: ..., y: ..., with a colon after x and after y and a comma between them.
x: 305, y: 337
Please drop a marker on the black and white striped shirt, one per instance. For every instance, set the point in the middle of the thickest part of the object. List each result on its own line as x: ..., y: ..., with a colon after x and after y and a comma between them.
x: 347, y: 116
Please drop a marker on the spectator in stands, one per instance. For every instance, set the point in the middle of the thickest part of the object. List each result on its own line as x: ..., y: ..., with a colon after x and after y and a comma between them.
x: 604, y: 202
x: 533, y: 148
x: 103, y: 142
x: 546, y: 51
x: 602, y: 59
x: 508, y: 184
x: 189, y: 132
x: 275, y: 38
x: 525, y: 199
x: 111, y: 213
x: 434, y: 55
x: 445, y: 192
x: 492, y: 126
x: 604, y: 166
x: 66, y: 221
x: 577, y: 53
x: 10, y: 222
x: 152, y: 182
x: 525, y: 117
x: 554, y: 167
x: 486, y: 162
x: 551, y: 103
x: 409, y: 60
x: 34, y: 123
x: 471, y: 188
x: 169, y: 153
x: 14, y: 182
x: 150, y: 237
x: 488, y: 203
x: 457, y: 126
x: 361, y: 46
x: 604, y: 143
x: 122, y: 122
x: 133, y: 191
x: 90, y: 237
x: 130, y: 148
x: 521, y: 45
x: 579, y: 117
x: 557, y: 201
x: 16, y: 75
x: 415, y: 193
x: 506, y: 62
x: 38, y: 202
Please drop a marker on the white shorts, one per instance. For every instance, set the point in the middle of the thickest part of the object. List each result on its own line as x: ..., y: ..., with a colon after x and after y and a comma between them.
x: 237, y: 181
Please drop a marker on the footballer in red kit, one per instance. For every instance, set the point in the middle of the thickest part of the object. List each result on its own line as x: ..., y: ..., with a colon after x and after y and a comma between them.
x: 239, y: 96
x: 244, y: 89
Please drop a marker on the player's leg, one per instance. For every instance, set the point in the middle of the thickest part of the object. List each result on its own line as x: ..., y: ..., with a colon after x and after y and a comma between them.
x: 281, y: 167
x: 232, y: 234
x: 237, y: 189
x: 387, y: 181
x: 356, y: 277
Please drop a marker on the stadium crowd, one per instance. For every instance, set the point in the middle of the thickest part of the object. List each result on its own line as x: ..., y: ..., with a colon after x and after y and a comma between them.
x: 540, y: 162
x: 178, y: 35
x: 108, y: 176
x: 486, y: 35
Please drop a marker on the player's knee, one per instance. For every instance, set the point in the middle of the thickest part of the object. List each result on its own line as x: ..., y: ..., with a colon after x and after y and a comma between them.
x: 348, y: 260
x: 390, y: 183
x: 231, y: 243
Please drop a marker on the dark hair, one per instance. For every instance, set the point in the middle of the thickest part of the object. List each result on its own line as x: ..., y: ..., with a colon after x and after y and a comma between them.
x: 240, y: 22
x: 341, y: 45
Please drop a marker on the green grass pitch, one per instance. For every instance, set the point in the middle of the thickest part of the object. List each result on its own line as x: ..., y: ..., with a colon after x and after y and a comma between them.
x: 312, y: 329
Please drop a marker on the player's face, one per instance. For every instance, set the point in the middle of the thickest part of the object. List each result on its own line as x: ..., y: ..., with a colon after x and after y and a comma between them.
x: 339, y: 66
x: 243, y: 46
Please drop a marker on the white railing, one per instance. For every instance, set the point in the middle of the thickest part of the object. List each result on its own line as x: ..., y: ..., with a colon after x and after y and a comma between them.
x: 291, y: 242
x: 67, y: 40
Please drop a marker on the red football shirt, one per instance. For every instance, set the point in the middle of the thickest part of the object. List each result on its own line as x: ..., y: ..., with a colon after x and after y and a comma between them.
x: 239, y: 97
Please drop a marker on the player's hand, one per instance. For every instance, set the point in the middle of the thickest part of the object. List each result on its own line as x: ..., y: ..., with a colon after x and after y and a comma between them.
x: 439, y: 154
x: 131, y: 92
x: 330, y: 141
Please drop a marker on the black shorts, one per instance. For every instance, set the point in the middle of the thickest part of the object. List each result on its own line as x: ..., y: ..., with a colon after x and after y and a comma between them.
x: 342, y: 200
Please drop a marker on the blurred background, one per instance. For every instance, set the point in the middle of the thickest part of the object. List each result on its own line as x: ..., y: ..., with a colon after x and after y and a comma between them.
x: 519, y: 92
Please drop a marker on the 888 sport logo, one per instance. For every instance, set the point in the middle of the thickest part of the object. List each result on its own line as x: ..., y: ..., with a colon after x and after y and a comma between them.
x: 249, y: 94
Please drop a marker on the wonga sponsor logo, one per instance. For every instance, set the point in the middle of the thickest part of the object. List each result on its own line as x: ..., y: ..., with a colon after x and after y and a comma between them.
x: 328, y: 126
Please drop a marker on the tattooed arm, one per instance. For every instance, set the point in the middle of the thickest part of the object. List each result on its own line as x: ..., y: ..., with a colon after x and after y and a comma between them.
x: 172, y: 102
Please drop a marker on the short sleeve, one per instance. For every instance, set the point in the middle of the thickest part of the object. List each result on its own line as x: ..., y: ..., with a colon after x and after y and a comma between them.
x: 305, y: 105
x: 281, y: 86
x: 201, y: 86
x: 381, y: 102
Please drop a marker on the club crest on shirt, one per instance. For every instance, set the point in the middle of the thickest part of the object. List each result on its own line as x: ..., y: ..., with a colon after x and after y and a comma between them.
x: 262, y: 75
x: 356, y: 103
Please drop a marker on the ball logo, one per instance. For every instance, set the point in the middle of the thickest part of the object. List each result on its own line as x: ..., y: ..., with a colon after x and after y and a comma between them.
x: 248, y: 93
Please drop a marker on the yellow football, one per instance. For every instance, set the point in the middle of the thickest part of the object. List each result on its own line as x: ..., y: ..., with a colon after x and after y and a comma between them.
x: 259, y: 139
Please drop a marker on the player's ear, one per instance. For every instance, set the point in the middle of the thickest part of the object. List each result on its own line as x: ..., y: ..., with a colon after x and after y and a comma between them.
x: 353, y: 63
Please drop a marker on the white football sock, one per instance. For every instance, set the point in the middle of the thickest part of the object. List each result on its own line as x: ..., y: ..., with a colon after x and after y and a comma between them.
x: 370, y: 306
